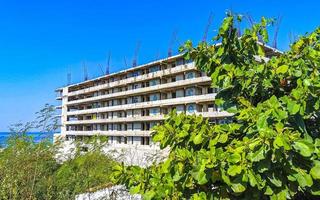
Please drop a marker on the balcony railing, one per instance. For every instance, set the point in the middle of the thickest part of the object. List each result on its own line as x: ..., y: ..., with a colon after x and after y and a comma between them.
x: 152, y: 75
x: 214, y: 114
x: 159, y: 87
x: 110, y: 133
x: 164, y: 102
x: 58, y: 95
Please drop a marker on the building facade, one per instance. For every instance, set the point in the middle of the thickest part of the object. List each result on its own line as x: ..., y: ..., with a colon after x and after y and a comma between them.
x: 126, y: 105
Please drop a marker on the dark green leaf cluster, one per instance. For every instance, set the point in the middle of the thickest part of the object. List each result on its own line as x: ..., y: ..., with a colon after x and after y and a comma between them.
x: 271, y: 150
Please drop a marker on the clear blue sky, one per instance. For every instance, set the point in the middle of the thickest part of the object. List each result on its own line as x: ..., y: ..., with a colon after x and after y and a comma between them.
x: 41, y: 41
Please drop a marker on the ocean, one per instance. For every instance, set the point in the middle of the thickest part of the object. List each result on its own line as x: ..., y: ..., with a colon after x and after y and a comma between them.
x: 37, y: 136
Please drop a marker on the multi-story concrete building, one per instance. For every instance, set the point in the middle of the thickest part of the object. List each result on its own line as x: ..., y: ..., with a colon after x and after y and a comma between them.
x: 127, y: 104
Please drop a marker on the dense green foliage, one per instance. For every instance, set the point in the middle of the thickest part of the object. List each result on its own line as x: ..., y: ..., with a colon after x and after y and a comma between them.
x: 270, y: 149
x: 30, y: 170
x: 26, y: 169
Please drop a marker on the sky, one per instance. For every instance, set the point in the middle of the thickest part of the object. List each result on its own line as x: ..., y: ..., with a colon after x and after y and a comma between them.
x: 42, y: 41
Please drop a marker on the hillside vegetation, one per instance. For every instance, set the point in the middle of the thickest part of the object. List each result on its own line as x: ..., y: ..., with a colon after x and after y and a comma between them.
x: 30, y: 170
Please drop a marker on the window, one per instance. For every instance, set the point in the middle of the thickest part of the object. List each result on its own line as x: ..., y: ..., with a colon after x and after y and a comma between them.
x: 210, y: 90
x: 173, y: 79
x: 135, y: 73
x: 223, y: 121
x: 136, y: 86
x: 190, y: 92
x: 188, y: 61
x: 153, y: 82
x: 190, y: 75
x: 173, y: 95
x: 154, y: 69
x: 118, y: 138
x: 135, y: 99
x: 191, y: 108
x: 111, y: 139
x: 180, y: 61
x: 154, y: 97
x: 125, y: 140
x: 145, y: 141
x: 154, y: 111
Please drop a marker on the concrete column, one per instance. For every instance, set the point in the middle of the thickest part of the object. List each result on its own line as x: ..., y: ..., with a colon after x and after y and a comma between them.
x: 64, y: 111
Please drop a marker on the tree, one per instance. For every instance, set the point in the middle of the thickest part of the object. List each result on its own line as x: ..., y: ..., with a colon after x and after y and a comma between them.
x: 30, y: 169
x: 27, y: 167
x: 270, y: 149
x: 89, y: 170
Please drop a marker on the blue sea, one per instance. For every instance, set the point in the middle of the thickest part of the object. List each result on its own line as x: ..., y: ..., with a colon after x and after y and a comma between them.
x: 37, y: 136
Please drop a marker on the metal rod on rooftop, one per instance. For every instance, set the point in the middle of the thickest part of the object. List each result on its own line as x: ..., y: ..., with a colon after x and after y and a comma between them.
x: 108, y: 64
x: 205, y: 34
x: 135, y: 57
x: 172, y: 41
x: 85, y: 72
x: 276, y: 30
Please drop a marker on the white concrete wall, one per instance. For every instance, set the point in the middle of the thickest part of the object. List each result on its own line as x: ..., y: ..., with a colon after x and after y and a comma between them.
x: 64, y: 111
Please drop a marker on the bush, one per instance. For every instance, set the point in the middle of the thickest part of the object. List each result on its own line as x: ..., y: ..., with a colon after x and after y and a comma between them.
x: 29, y: 169
x: 271, y: 147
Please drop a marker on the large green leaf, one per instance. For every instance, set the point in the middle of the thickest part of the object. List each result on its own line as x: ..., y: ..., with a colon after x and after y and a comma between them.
x: 238, y: 187
x: 282, y: 69
x: 304, y: 179
x: 234, y: 158
x: 223, y: 138
x: 234, y: 170
x: 293, y: 107
x: 198, y: 139
x: 258, y: 154
x: 304, y: 148
x: 315, y: 172
x: 149, y: 195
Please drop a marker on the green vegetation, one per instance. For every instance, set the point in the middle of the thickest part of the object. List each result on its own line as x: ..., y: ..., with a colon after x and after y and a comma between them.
x: 270, y: 150
x: 29, y: 170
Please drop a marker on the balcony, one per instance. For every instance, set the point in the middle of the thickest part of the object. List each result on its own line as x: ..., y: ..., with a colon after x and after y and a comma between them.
x: 58, y: 107
x: 110, y: 133
x: 214, y: 114
x: 160, y: 87
x: 117, y: 120
x: 165, y: 102
x: 144, y: 77
x: 59, y: 96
